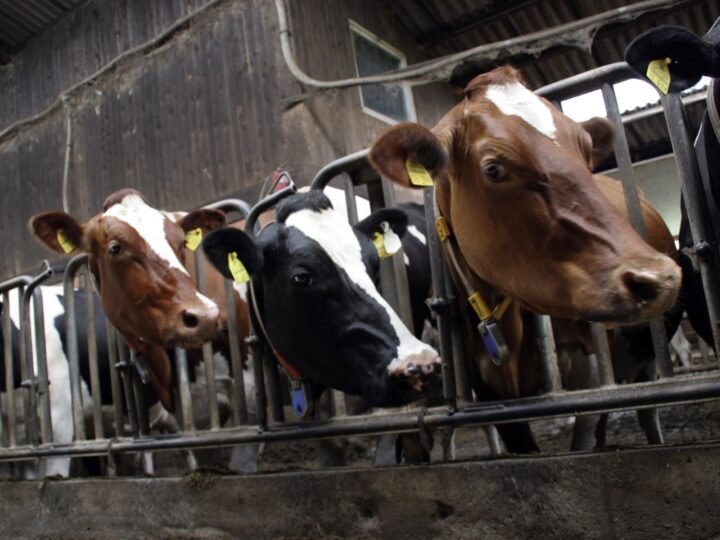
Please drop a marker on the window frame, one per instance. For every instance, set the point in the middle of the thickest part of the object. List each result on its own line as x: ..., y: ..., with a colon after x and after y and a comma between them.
x: 406, y: 89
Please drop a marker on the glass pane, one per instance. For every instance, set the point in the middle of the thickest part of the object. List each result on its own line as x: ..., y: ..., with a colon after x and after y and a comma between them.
x: 384, y: 99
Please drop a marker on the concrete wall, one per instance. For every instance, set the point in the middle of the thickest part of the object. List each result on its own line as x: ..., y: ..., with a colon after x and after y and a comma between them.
x: 655, y: 493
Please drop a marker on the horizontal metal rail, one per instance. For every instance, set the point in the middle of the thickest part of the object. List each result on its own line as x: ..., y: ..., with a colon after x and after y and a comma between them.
x: 630, y: 396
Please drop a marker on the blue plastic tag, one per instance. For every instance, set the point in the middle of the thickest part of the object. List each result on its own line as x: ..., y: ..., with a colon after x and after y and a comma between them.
x: 299, y: 400
x: 494, y: 341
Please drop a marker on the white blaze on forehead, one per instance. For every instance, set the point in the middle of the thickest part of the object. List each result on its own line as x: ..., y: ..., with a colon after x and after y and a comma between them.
x: 337, y: 238
x: 149, y: 223
x: 515, y: 99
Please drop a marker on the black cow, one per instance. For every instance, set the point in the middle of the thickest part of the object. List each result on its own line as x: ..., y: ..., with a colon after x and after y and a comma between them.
x: 321, y: 310
x: 687, y: 57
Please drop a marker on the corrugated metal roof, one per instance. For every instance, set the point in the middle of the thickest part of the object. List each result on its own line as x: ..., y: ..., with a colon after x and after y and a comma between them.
x: 447, y: 26
x: 20, y: 20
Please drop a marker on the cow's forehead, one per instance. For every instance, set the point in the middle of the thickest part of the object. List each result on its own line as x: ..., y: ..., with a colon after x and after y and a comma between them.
x: 513, y: 98
x: 149, y: 223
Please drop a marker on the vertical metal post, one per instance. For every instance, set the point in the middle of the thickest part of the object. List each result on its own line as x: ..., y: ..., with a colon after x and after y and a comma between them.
x: 115, y: 386
x: 184, y: 394
x: 92, y: 358
x: 602, y: 353
x: 272, y: 381
x: 9, y: 371
x: 72, y: 344
x: 207, y: 350
x: 548, y: 353
x: 239, y: 400
x: 258, y: 352
x: 693, y: 195
x: 43, y: 384
x: 441, y: 306
x: 632, y: 199
x: 126, y: 374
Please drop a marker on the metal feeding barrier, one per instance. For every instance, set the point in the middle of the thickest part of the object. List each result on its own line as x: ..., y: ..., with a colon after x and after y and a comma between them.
x: 458, y: 408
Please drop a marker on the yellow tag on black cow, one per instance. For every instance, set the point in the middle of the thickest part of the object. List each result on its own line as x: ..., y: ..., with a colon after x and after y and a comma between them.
x: 659, y: 73
x: 65, y: 243
x: 419, y: 175
x: 193, y: 238
x: 379, y: 242
x: 237, y: 268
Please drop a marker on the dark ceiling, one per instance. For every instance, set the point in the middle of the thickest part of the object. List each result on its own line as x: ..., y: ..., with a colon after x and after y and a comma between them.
x: 448, y: 26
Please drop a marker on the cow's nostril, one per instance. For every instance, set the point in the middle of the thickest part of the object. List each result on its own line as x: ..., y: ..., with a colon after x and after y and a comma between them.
x: 643, y: 286
x: 190, y: 319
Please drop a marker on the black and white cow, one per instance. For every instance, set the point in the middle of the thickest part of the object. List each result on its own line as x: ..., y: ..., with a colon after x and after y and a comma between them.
x: 687, y: 57
x: 58, y: 371
x: 321, y: 310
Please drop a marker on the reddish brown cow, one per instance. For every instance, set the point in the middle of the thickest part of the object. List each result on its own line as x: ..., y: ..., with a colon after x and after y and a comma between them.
x: 527, y: 221
x: 139, y: 260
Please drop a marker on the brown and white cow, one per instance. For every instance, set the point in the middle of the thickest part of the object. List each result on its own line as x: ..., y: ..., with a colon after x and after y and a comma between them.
x: 528, y: 220
x: 140, y: 262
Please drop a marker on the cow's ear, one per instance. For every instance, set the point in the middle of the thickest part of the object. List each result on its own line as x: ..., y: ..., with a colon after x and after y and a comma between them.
x: 207, y: 219
x: 677, y: 55
x: 58, y: 232
x: 602, y: 133
x: 385, y: 228
x: 409, y: 155
x: 233, y: 253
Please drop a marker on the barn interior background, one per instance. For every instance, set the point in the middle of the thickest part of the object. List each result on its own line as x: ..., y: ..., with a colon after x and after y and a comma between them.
x: 192, y: 101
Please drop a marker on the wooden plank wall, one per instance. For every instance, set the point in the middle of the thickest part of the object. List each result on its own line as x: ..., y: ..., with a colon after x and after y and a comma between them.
x: 195, y: 120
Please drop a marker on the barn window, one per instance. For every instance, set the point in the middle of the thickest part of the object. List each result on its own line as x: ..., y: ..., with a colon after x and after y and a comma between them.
x: 389, y: 103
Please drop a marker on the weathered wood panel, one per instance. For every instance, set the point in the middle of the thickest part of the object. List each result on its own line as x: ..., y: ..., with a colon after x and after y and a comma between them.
x: 197, y: 119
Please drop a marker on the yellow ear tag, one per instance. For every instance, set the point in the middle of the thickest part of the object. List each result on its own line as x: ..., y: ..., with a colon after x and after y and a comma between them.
x: 386, y: 242
x: 193, y: 238
x: 65, y: 243
x: 379, y: 242
x: 419, y: 175
x: 659, y: 73
x: 237, y: 268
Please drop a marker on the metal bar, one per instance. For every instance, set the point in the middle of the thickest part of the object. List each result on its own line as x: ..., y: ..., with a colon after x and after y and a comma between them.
x: 693, y: 195
x: 207, y: 351
x: 548, y: 354
x: 71, y: 339
x: 602, y: 353
x: 92, y: 359
x: 265, y: 204
x: 632, y: 200
x: 123, y: 366
x: 258, y: 352
x: 623, y: 397
x: 272, y: 385
x: 43, y: 384
x: 183, y: 381
x: 345, y: 164
x: 115, y: 385
x: 441, y: 309
x: 9, y: 372
x: 26, y: 353
x: 239, y: 400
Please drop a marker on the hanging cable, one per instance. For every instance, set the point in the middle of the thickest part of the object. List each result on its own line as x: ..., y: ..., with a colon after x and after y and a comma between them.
x: 578, y: 34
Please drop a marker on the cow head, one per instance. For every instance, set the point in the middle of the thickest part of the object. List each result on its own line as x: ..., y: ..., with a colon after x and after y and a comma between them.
x: 513, y: 178
x: 320, y: 308
x: 685, y: 56
x: 135, y: 252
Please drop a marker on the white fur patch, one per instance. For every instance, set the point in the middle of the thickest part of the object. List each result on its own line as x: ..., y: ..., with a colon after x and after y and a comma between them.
x: 337, y: 238
x: 515, y: 99
x: 149, y: 224
x: 412, y: 229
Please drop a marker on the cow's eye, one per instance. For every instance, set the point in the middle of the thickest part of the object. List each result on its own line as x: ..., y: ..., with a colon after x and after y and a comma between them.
x: 114, y: 248
x: 493, y: 171
x: 302, y: 279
